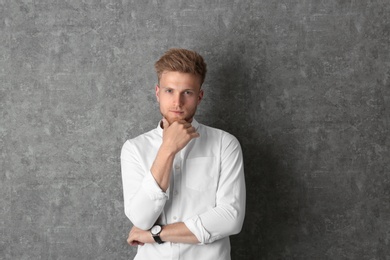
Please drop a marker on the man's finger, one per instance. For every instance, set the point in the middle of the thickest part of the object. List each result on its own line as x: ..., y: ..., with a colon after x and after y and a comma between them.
x: 187, y: 125
x: 191, y: 129
x: 195, y: 135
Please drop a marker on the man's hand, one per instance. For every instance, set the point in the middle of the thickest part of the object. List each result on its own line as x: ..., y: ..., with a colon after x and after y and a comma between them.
x: 139, y: 237
x: 177, y: 135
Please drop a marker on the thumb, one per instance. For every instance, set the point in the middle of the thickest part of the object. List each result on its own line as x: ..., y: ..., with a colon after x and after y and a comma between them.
x: 165, y: 123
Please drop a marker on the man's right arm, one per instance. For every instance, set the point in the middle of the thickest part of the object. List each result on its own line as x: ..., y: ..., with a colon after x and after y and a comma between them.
x: 175, y: 138
x: 144, y: 193
x: 143, y: 198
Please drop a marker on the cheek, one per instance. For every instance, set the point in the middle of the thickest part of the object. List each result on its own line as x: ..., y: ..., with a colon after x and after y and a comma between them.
x: 164, y: 102
x: 195, y: 101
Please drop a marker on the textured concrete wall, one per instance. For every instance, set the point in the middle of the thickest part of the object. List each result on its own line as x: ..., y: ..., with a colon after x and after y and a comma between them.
x: 304, y: 85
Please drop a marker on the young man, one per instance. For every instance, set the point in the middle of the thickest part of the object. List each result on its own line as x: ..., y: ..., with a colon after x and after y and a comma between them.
x: 183, y: 182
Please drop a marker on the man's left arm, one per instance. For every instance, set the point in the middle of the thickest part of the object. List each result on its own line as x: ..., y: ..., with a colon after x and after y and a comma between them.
x: 227, y: 217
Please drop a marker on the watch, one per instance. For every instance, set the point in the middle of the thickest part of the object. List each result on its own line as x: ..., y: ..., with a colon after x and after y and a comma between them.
x: 155, y: 231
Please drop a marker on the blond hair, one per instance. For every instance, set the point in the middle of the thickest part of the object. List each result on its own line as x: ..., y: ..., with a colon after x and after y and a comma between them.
x: 181, y: 60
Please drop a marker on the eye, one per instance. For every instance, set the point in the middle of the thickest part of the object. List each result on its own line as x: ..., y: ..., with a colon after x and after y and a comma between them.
x: 168, y: 90
x: 187, y: 92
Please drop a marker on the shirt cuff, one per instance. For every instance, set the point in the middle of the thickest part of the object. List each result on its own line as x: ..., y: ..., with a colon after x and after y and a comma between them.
x: 194, y: 224
x: 154, y: 191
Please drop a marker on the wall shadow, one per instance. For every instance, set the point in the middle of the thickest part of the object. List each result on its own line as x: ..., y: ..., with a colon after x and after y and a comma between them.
x: 274, y: 195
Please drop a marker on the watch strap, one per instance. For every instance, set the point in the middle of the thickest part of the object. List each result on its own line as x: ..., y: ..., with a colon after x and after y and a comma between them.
x: 157, y: 238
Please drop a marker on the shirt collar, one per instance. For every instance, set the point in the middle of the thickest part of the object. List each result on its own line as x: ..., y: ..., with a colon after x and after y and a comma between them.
x: 194, y: 123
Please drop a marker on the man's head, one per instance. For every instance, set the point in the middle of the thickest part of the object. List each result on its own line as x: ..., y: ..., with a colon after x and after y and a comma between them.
x: 181, y: 74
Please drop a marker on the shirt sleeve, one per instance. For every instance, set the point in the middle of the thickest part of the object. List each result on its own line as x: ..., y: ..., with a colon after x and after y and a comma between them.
x: 227, y: 217
x: 143, y: 198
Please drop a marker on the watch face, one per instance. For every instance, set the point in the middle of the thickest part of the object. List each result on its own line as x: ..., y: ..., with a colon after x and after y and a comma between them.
x: 155, y: 230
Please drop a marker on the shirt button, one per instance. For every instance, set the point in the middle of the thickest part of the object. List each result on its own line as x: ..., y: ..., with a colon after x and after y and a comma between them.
x: 175, y: 192
x: 174, y: 218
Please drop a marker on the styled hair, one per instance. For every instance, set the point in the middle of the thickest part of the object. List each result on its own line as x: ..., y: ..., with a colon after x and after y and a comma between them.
x: 181, y: 60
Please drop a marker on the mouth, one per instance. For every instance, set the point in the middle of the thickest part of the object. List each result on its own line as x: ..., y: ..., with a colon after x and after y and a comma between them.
x: 176, y: 112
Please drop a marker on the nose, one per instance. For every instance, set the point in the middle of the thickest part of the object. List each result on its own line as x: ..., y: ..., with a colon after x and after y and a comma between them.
x: 178, y: 99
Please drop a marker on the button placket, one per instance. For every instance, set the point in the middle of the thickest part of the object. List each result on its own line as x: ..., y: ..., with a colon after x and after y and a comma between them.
x: 177, y: 180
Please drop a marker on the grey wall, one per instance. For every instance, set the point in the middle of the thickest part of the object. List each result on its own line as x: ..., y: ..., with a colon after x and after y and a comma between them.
x: 304, y: 85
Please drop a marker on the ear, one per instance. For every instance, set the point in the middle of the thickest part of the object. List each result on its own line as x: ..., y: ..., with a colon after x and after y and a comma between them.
x: 157, y: 89
x: 200, y: 96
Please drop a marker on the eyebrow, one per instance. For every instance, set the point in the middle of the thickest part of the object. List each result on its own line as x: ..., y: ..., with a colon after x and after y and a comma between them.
x: 187, y: 89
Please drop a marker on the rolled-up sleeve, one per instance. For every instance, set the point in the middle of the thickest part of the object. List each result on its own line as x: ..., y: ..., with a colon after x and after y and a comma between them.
x: 227, y: 217
x: 143, y: 198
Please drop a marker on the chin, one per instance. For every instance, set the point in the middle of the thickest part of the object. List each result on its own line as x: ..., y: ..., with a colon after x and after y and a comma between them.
x: 171, y: 120
x: 174, y: 119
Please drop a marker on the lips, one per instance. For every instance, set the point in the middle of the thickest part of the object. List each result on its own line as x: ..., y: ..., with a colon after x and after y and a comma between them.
x: 177, y: 112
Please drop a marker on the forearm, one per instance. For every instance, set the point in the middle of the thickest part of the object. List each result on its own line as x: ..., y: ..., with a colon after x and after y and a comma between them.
x: 178, y: 233
x: 162, y: 167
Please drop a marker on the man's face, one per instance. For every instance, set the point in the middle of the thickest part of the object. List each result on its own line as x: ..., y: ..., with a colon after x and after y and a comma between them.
x: 179, y: 94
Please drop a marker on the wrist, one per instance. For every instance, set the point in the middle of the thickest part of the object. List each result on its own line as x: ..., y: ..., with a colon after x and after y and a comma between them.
x: 156, y: 231
x: 167, y: 150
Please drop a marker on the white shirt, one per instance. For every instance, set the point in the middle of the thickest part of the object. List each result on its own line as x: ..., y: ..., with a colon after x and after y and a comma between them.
x: 206, y: 192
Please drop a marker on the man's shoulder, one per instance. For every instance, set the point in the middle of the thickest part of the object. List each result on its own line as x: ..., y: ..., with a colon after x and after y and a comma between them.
x: 213, y: 131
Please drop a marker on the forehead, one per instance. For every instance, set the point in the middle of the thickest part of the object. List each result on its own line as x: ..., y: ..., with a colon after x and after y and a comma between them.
x: 175, y: 79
